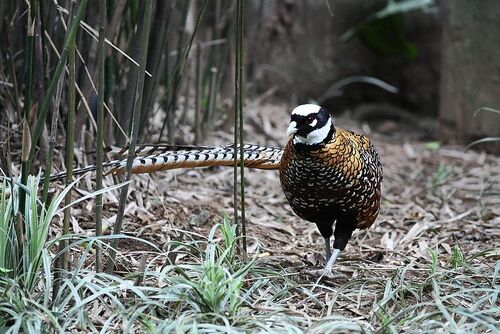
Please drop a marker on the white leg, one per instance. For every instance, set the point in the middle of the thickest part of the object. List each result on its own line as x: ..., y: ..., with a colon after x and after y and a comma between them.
x: 331, y: 261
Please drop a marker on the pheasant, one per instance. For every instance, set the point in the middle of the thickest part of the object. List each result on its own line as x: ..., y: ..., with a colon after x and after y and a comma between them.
x: 328, y: 174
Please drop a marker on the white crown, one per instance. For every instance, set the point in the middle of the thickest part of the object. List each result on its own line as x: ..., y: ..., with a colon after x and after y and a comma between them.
x: 306, y: 109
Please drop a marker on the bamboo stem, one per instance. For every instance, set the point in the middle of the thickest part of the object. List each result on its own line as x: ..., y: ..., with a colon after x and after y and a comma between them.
x: 161, y: 24
x: 197, y: 98
x: 70, y: 144
x: 172, y: 106
x: 212, y: 95
x: 52, y: 139
x: 179, y: 68
x: 100, y: 129
x: 239, y: 111
x: 70, y: 37
x: 28, y: 79
x: 134, y: 129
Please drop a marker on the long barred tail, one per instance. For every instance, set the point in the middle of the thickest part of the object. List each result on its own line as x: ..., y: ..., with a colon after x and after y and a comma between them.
x: 153, y: 158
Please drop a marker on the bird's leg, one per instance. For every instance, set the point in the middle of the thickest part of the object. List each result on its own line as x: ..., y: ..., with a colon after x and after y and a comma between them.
x: 331, y: 261
x: 328, y: 250
x: 343, y: 231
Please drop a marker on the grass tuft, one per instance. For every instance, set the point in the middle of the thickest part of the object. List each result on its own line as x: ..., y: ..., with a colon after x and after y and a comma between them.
x: 203, y: 286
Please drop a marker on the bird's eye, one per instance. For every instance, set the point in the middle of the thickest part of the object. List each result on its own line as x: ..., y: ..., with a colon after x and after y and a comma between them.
x: 312, y: 121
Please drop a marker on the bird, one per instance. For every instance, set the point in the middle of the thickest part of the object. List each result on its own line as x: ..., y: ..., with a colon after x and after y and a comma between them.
x: 329, y: 175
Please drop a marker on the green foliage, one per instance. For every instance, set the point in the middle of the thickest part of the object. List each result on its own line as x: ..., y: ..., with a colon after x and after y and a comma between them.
x: 433, y: 145
x: 440, y: 177
x: 386, y: 36
x: 205, y: 287
x: 393, y: 7
x: 457, y: 258
x: 215, y: 285
x: 434, y: 299
x: 25, y: 260
x: 21, y: 256
x: 383, y: 31
x: 434, y: 260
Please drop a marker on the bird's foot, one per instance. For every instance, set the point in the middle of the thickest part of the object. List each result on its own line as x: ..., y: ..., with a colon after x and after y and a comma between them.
x: 328, y: 273
x: 322, y: 273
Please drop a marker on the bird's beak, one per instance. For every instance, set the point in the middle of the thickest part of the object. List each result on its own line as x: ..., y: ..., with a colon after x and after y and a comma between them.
x: 292, y: 129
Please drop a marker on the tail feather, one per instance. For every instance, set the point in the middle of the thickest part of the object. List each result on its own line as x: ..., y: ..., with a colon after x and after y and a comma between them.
x: 153, y: 158
x: 253, y: 156
x: 152, y: 149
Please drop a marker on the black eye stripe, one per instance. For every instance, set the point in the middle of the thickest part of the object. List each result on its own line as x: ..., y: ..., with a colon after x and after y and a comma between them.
x: 308, y: 118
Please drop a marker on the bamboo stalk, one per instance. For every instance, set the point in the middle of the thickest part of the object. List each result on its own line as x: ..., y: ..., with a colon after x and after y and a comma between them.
x: 197, y: 98
x: 236, y: 136
x: 179, y: 69
x: 28, y: 79
x: 239, y: 112
x: 70, y: 37
x: 127, y: 101
x: 39, y: 74
x: 173, y: 104
x: 212, y: 96
x: 255, y: 51
x: 100, y: 128
x: 161, y: 25
x: 134, y: 129
x: 221, y: 55
x: 70, y: 140
x: 52, y: 140
x: 68, y: 52
x: 187, y: 94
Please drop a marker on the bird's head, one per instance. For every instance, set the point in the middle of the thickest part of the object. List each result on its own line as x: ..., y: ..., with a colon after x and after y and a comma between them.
x: 311, y: 125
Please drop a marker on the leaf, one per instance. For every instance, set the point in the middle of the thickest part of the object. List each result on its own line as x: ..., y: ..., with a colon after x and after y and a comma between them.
x: 392, y: 8
x: 482, y: 141
x: 387, y: 37
x: 433, y: 145
x: 485, y: 109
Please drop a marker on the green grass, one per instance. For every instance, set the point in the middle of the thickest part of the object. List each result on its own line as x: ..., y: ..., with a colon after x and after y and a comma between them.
x: 442, y: 174
x: 204, y: 285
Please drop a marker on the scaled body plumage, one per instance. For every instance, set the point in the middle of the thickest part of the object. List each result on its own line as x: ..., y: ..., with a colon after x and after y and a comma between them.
x: 342, y: 176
